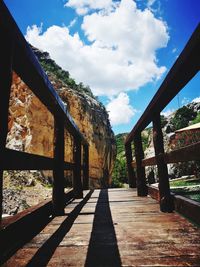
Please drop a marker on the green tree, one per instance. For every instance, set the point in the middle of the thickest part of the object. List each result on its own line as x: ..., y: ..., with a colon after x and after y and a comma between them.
x: 182, y: 117
x: 197, y: 119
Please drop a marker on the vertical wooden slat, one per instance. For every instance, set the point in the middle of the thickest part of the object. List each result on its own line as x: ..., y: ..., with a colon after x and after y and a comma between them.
x: 85, y: 167
x: 129, y: 159
x: 166, y: 201
x: 6, y: 58
x: 77, y: 183
x: 58, y: 171
x: 140, y: 170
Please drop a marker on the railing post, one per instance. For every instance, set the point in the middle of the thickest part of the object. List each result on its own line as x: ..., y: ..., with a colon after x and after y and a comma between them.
x: 85, y: 167
x: 6, y: 58
x: 129, y: 159
x: 166, y: 201
x: 58, y: 171
x: 77, y: 183
x: 140, y: 170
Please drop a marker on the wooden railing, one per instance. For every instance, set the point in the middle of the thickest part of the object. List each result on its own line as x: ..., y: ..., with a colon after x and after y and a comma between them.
x: 16, y: 55
x: 184, y: 69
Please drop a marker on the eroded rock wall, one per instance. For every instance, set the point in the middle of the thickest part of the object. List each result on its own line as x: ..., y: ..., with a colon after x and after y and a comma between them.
x: 31, y: 127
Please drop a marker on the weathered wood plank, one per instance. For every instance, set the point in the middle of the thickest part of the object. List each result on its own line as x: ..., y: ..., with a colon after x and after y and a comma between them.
x: 140, y: 170
x: 187, y: 153
x: 129, y: 159
x: 85, y: 167
x: 6, y: 61
x: 166, y: 201
x: 191, y: 152
x: 77, y: 181
x: 138, y: 234
x: 18, y: 160
x: 58, y: 168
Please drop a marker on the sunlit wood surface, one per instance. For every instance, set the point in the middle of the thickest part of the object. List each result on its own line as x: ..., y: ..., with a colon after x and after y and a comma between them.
x: 113, y: 228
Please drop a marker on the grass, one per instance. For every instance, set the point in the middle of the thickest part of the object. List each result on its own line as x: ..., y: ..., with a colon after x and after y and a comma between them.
x: 195, y: 197
x: 184, y: 183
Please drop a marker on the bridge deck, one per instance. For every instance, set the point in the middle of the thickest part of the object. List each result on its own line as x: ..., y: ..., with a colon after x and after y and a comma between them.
x: 113, y: 228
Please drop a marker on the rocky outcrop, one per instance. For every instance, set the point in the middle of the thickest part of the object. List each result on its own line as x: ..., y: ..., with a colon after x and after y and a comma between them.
x: 31, y: 124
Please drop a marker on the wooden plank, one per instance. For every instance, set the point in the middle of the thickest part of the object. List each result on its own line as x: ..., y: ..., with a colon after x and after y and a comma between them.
x: 77, y: 183
x: 191, y: 152
x: 187, y: 153
x: 113, y: 228
x: 27, y: 66
x: 140, y: 170
x: 6, y: 57
x: 18, y: 160
x: 166, y: 201
x: 85, y: 167
x: 131, y: 173
x: 183, y: 70
x: 58, y: 170
x: 21, y: 226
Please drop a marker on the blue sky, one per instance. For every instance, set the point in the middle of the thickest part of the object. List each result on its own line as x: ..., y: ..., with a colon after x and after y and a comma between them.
x: 121, y: 49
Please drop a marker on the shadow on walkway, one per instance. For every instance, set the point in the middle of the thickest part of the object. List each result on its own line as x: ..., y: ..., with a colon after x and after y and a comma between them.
x: 45, y: 252
x: 103, y: 250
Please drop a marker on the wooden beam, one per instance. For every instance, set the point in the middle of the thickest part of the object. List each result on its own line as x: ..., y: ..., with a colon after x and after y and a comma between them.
x: 6, y: 58
x: 77, y: 183
x: 18, y: 160
x: 187, y: 153
x: 131, y: 173
x: 140, y: 170
x: 183, y: 70
x: 166, y: 202
x: 85, y: 167
x: 58, y: 171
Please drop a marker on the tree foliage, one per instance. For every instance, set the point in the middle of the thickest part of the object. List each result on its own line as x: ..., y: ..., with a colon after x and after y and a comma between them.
x: 50, y: 66
x: 182, y: 117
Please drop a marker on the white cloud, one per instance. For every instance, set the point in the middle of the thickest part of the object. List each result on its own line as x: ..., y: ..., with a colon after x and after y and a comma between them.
x: 196, y: 100
x: 185, y: 101
x: 122, y: 53
x: 72, y: 23
x: 82, y: 7
x: 150, y: 2
x: 120, y: 111
x: 168, y: 112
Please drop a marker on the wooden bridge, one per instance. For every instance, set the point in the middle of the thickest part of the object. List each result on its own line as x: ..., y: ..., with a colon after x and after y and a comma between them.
x: 112, y: 227
x: 104, y: 227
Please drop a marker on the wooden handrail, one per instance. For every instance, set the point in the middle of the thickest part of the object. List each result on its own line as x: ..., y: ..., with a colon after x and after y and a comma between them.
x: 17, y: 55
x: 184, y: 69
x: 18, y: 160
x: 187, y: 153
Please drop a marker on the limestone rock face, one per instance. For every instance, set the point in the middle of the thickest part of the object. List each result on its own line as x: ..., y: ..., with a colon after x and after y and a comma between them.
x: 31, y: 125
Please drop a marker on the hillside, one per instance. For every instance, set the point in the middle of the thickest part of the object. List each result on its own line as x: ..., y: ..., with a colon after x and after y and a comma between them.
x: 180, y: 118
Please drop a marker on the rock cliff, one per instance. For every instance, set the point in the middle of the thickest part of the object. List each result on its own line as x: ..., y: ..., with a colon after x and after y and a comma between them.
x: 31, y: 124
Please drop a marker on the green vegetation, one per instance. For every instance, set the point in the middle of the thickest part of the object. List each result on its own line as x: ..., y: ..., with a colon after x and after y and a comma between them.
x: 182, y: 117
x: 197, y: 119
x: 194, y: 196
x: 50, y: 66
x: 119, y: 175
x: 184, y: 183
